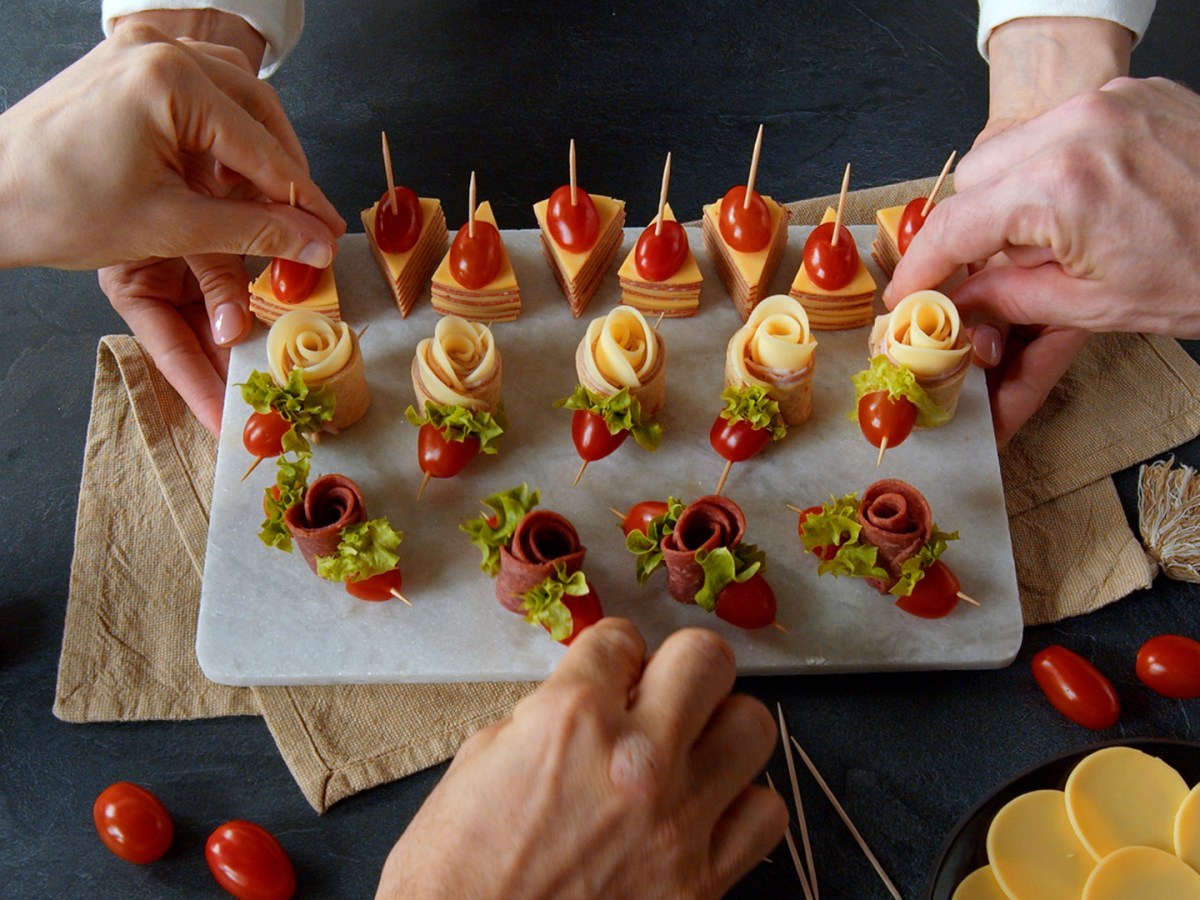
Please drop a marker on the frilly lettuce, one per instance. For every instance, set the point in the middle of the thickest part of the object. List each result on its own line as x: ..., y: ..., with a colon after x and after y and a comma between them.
x: 724, y: 565
x: 647, y: 546
x: 365, y: 550
x: 508, y: 508
x: 457, y: 423
x: 621, y: 412
x: 751, y: 404
x: 543, y: 604
x: 898, y: 381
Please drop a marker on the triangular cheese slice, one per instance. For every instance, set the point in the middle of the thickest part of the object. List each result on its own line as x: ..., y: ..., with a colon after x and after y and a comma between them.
x: 267, y: 307
x: 407, y: 273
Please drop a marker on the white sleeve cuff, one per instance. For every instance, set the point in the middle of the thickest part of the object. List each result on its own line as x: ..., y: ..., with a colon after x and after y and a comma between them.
x: 1133, y: 14
x: 278, y: 21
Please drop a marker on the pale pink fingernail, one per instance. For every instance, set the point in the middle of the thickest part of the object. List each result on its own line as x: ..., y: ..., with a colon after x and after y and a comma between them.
x: 316, y: 254
x: 989, y: 345
x: 229, y: 322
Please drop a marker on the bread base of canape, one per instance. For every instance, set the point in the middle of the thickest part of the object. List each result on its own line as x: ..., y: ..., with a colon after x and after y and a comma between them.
x: 407, y: 273
x: 746, y: 276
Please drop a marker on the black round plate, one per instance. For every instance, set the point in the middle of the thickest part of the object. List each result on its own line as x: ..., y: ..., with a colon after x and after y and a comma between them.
x: 965, y: 850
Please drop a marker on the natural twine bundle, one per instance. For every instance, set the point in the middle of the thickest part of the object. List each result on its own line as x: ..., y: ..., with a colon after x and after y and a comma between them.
x: 1169, y: 517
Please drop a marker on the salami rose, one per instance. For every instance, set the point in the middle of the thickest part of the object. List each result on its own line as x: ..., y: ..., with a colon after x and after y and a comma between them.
x: 541, y: 539
x: 896, y: 519
x: 330, y: 504
x: 707, y: 523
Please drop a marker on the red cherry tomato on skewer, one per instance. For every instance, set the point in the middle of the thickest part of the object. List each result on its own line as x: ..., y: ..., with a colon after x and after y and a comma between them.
x: 1170, y: 665
x: 737, y: 441
x: 293, y: 282
x: 911, y: 221
x: 830, y: 267
x: 585, y: 611
x: 249, y: 863
x: 575, y: 228
x: 475, y: 261
x: 639, y: 516
x: 133, y: 823
x: 935, y: 595
x: 747, y: 604
x: 592, y: 438
x: 879, y: 417
x: 659, y: 256
x: 383, y: 586
x: 824, y: 553
x: 442, y: 458
x: 744, y: 229
x: 1076, y: 688
x: 263, y: 433
x: 397, y: 232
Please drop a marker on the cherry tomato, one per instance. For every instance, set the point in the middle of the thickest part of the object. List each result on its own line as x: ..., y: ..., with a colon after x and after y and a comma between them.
x: 746, y: 230
x: 1076, y: 688
x: 879, y: 417
x: 263, y: 433
x: 377, y: 587
x: 1170, y: 665
x: 737, y: 441
x: 819, y: 552
x: 592, y: 438
x: 293, y: 282
x: 133, y: 823
x: 639, y: 516
x: 747, y: 604
x: 575, y: 228
x: 475, y: 261
x: 442, y: 458
x: 911, y: 221
x: 828, y: 266
x: 935, y: 595
x: 249, y: 863
x: 659, y: 256
x: 584, y: 610
x: 396, y: 232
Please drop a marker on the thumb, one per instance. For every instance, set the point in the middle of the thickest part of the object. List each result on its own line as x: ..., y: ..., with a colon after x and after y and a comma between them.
x: 222, y: 279
x: 249, y: 227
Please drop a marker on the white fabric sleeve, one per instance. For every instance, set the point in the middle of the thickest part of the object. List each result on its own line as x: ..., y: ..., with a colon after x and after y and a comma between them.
x: 1133, y: 14
x: 278, y: 21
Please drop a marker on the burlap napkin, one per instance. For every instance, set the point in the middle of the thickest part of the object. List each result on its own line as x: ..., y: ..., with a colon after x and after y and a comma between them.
x: 129, y: 641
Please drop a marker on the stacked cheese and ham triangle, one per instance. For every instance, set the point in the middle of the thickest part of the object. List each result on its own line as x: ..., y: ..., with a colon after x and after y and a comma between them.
x: 579, y: 273
x: 850, y: 306
x: 775, y: 350
x: 497, y: 301
x: 746, y: 275
x: 407, y: 272
x: 675, y: 296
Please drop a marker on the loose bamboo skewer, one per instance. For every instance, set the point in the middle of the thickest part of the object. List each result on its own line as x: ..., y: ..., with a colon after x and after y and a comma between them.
x: 387, y: 169
x: 791, y: 764
x: 837, y: 220
x: 792, y: 849
x: 938, y: 185
x: 662, y: 196
x: 753, y: 169
x: 471, y: 209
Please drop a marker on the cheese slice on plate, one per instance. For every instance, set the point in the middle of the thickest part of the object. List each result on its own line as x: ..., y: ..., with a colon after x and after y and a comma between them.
x: 1142, y: 873
x: 267, y: 307
x: 497, y: 301
x: 1033, y: 850
x: 676, y: 297
x: 979, y: 885
x: 1187, y: 829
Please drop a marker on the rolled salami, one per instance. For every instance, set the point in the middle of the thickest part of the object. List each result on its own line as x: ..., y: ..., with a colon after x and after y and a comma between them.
x: 458, y: 366
x: 705, y: 524
x: 541, y: 540
x: 775, y: 350
x: 621, y: 350
x: 330, y: 504
x: 327, y: 355
x: 896, y: 519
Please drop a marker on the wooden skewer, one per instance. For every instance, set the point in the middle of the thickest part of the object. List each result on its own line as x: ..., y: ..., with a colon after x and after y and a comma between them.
x: 791, y: 764
x: 253, y: 466
x: 571, y: 162
x: 662, y: 196
x: 797, y: 510
x: 724, y: 475
x: 471, y: 208
x: 579, y: 474
x: 399, y: 596
x: 882, y: 450
x: 658, y: 321
x: 753, y: 168
x: 421, y: 489
x: 887, y: 882
x: 837, y: 221
x: 937, y: 186
x: 616, y: 512
x: 966, y: 599
x: 778, y: 627
x: 792, y: 849
x: 387, y: 169
x: 364, y: 330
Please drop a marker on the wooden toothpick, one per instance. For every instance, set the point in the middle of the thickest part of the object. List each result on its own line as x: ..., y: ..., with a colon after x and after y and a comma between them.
x: 797, y: 510
x: 882, y: 450
x: 778, y: 626
x: 753, y: 168
x: 571, y: 163
x: 471, y: 208
x: 387, y: 169
x: 837, y: 221
x: 792, y: 849
x: 724, y: 475
x: 253, y: 466
x: 399, y: 596
x: 966, y: 599
x: 937, y: 186
x: 662, y: 196
x: 616, y: 512
x: 424, y: 482
x: 579, y: 474
x: 791, y: 764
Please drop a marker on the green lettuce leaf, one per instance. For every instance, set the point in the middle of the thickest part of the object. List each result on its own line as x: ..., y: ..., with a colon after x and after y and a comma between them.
x: 457, y: 423
x: 507, y: 509
x: 621, y: 412
x: 837, y: 523
x: 898, y: 381
x: 365, y: 550
x: 307, y: 409
x: 544, y: 606
x: 751, y: 404
x: 722, y: 566
x: 291, y: 481
x: 647, y: 547
x: 854, y: 560
x: 913, y: 569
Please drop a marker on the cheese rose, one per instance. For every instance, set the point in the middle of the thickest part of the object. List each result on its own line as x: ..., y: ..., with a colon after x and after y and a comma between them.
x: 327, y: 355
x: 458, y: 366
x: 621, y: 350
x: 775, y: 350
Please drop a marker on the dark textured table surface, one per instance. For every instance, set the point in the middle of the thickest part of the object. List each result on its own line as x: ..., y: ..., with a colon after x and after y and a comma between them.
x: 500, y: 87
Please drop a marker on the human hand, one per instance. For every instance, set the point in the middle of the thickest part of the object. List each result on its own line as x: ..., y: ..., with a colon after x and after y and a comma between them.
x: 615, y: 779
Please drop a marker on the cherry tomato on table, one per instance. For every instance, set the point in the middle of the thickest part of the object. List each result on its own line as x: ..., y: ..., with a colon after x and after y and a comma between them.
x: 825, y: 553
x: 442, y: 458
x: 249, y: 863
x: 293, y: 282
x: 746, y: 229
x: 747, y: 604
x: 475, y: 261
x: 879, y: 417
x: 639, y: 516
x: 377, y: 587
x: 585, y: 611
x: 263, y: 433
x: 592, y: 438
x: 911, y: 221
x: 830, y: 267
x: 1170, y: 665
x: 574, y: 227
x: 935, y: 595
x: 397, y: 232
x: 737, y: 441
x: 1076, y: 688
x: 659, y: 256
x: 133, y: 823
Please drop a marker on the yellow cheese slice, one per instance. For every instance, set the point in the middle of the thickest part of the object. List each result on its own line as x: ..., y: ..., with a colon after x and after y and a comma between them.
x: 751, y: 264
x: 979, y: 885
x: 1142, y: 873
x: 323, y: 299
x: 923, y: 333
x: 306, y: 340
x: 1033, y: 850
x: 688, y: 274
x: 607, y: 209
x: 1187, y: 829
x: 861, y: 283
x: 1120, y: 797
x: 888, y: 220
x: 459, y: 358
x: 431, y: 210
x: 506, y: 278
x: 622, y: 348
x: 776, y: 336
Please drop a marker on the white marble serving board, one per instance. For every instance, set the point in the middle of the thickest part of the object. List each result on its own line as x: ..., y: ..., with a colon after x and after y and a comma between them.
x: 266, y: 619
